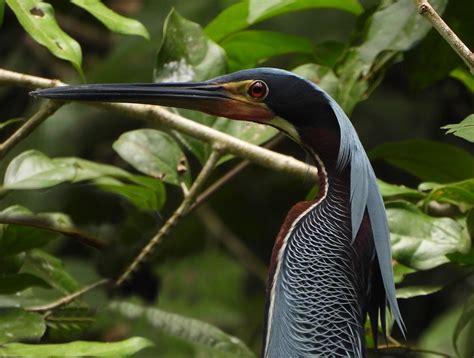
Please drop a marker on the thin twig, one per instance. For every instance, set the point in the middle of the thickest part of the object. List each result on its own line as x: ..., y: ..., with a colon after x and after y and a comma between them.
x: 46, y: 110
x: 227, y: 143
x: 179, y: 213
x: 67, y: 299
x: 407, y: 349
x: 246, y: 257
x: 425, y: 9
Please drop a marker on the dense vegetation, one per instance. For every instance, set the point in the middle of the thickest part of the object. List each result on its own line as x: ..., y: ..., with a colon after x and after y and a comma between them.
x: 84, y: 189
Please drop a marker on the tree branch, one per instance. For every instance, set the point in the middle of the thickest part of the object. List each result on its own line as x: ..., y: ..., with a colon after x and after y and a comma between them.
x: 425, y: 9
x: 226, y: 143
x: 46, y: 110
x: 67, y: 299
x: 179, y: 213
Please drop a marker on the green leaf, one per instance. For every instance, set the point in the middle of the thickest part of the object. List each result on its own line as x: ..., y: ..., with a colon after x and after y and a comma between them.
x: 329, y: 53
x: 415, y: 291
x: 13, y: 120
x: 247, y: 49
x: 141, y: 197
x: 400, y: 271
x: 396, y: 27
x: 421, y: 241
x: 464, y: 129
x: 264, y: 9
x: 51, y: 270
x: 427, y: 160
x: 113, y: 21
x: 243, y: 14
x: 17, y: 324
x: 15, y: 238
x: 464, y: 76
x: 400, y: 191
x: 467, y: 258
x: 454, y: 193
x: 77, y: 348
x: 67, y: 322
x: 187, y: 54
x: 188, y: 329
x: 154, y: 153
x: 34, y: 170
x: 11, y: 263
x: 37, y: 18
x: 467, y: 316
x: 22, y: 230
x: 324, y: 77
x: 2, y: 11
x: 17, y: 282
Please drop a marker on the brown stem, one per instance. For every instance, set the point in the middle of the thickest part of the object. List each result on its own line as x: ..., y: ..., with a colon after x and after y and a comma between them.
x: 179, y: 213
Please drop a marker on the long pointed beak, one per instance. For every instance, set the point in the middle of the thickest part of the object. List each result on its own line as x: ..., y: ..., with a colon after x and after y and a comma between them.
x: 211, y: 98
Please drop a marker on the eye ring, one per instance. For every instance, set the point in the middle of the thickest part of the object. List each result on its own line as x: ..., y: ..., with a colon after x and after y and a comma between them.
x: 258, y: 90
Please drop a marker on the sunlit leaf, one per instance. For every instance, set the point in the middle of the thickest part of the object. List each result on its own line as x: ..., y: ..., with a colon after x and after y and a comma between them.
x: 37, y: 18
x: 400, y: 271
x: 464, y: 76
x: 18, y: 282
x: 111, y: 19
x: 246, y: 49
x: 154, y: 153
x: 421, y: 241
x: 51, y: 270
x: 188, y: 329
x: 17, y: 324
x: 400, y: 191
x: 467, y: 316
x: 243, y: 14
x: 464, y: 129
x: 454, y: 193
x: 415, y: 291
x: 427, y: 160
x: 78, y: 348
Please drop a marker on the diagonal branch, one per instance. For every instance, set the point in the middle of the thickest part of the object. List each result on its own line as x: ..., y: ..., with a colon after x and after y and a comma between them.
x: 226, y: 143
x: 425, y: 9
x: 179, y: 213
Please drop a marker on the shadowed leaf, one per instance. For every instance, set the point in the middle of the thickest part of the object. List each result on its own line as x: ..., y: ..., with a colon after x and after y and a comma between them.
x: 415, y: 291
x: 18, y: 282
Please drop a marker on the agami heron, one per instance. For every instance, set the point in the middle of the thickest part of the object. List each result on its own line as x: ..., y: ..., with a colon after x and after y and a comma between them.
x: 331, y: 262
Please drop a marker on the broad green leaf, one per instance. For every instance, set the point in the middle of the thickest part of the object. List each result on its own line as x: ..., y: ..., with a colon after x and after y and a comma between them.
x: 17, y: 324
x: 12, y: 263
x: 454, y: 193
x: 467, y: 316
x: 15, y: 239
x: 329, y: 53
x: 396, y: 27
x: 154, y: 153
x: 141, y: 197
x: 464, y: 129
x: 77, y: 348
x: 187, y: 54
x: 51, y: 270
x: 37, y: 18
x: 17, y: 282
x: 243, y: 14
x: 10, y: 121
x: 467, y: 258
x: 113, y: 21
x: 400, y: 271
x: 324, y: 77
x: 427, y: 160
x: 264, y: 9
x: 391, y: 190
x: 22, y: 230
x: 415, y: 291
x: 421, y: 241
x: 464, y: 76
x: 247, y: 49
x: 188, y: 329
x: 34, y: 170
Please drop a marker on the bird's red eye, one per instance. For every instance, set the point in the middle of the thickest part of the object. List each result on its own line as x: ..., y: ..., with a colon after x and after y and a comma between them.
x: 258, y: 90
